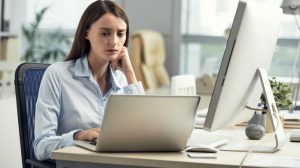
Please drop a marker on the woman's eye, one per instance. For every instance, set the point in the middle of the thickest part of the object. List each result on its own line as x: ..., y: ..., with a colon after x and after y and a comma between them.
x: 104, y: 34
x: 121, y: 34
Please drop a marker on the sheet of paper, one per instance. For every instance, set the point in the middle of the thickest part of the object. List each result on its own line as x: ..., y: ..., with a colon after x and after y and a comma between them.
x: 272, y: 161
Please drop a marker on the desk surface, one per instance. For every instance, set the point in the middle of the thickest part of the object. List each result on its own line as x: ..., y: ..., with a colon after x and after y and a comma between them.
x: 288, y: 156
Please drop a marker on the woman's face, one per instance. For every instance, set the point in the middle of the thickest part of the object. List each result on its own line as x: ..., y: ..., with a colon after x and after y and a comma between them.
x: 107, y: 37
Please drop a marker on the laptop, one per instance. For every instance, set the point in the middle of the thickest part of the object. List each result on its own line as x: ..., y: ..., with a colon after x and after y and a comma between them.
x: 145, y: 123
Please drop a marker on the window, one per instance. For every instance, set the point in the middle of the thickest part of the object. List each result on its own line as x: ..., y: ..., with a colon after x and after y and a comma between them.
x: 204, y: 25
x: 57, y: 27
x: 64, y: 14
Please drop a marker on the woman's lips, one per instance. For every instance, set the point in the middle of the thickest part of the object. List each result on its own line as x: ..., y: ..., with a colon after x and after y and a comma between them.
x: 111, y: 51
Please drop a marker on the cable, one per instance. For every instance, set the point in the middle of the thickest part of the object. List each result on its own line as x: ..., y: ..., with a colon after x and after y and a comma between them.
x: 250, y: 151
x: 260, y: 144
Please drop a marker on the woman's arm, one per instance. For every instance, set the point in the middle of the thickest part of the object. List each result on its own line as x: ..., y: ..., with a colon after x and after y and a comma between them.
x: 124, y: 64
x: 47, y: 115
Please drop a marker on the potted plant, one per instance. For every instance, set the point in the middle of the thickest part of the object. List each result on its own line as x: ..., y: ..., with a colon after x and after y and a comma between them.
x: 260, y: 122
x: 46, y: 46
x: 281, y: 92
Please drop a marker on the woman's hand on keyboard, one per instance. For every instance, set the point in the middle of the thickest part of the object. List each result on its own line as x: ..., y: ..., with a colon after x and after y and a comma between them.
x: 89, y: 134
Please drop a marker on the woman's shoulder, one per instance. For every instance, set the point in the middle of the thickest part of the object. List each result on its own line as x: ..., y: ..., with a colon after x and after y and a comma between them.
x: 58, y: 67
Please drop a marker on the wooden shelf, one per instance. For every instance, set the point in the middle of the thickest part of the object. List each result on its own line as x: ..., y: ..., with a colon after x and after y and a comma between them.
x: 7, y: 34
x: 9, y: 44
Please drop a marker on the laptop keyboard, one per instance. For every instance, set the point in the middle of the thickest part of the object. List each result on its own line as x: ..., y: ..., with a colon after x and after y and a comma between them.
x: 93, y: 142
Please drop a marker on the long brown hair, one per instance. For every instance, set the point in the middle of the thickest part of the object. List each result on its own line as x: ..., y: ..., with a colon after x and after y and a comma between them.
x: 93, y: 12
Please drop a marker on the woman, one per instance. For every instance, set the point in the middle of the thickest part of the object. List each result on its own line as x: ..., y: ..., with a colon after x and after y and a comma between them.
x: 73, y: 94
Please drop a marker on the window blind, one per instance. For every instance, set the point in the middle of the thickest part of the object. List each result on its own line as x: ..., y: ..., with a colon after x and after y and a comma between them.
x: 64, y: 14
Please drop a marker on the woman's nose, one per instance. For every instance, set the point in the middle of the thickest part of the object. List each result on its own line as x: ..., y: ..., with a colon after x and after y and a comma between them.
x: 113, y: 40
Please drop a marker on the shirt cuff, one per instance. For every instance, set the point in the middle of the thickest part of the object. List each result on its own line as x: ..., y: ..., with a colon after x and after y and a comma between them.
x: 135, y: 88
x: 68, y: 137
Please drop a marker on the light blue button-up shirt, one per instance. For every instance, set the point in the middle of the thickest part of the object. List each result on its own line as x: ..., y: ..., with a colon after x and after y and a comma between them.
x: 70, y: 100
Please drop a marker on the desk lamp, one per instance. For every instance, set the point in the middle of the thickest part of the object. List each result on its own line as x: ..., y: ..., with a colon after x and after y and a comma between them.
x: 292, y: 7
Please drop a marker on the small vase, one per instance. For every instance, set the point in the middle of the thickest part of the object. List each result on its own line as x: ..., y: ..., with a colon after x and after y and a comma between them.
x: 256, y: 126
x: 258, y: 119
x: 254, y: 131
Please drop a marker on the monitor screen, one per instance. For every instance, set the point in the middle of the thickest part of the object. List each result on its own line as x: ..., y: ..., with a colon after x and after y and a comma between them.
x: 250, y: 45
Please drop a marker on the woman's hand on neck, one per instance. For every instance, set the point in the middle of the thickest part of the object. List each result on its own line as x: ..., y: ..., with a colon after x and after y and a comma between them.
x: 124, y: 64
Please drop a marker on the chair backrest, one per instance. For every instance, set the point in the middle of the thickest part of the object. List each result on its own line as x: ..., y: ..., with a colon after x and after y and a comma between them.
x: 183, y: 85
x: 27, y: 82
x: 148, y: 57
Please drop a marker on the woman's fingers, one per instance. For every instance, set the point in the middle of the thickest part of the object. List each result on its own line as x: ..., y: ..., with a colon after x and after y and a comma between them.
x: 93, y: 133
x: 89, y: 134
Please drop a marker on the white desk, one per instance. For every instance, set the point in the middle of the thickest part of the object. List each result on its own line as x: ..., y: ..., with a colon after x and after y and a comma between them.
x: 76, y: 157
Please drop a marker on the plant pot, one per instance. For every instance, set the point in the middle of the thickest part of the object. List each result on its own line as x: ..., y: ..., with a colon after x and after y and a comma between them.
x: 258, y: 119
x: 256, y: 126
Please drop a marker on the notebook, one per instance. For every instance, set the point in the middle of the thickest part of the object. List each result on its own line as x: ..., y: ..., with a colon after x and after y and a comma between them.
x: 145, y: 123
x: 295, y: 135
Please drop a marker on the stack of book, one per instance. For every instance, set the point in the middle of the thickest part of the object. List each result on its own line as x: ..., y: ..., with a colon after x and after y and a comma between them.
x: 291, y: 120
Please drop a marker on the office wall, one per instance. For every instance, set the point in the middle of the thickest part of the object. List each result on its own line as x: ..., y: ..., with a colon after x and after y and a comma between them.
x: 163, y: 16
x: 10, y: 154
x: 14, y: 12
x: 9, y: 131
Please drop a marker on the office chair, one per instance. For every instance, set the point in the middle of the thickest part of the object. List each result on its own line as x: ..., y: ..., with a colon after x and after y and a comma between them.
x: 148, y: 57
x: 27, y: 82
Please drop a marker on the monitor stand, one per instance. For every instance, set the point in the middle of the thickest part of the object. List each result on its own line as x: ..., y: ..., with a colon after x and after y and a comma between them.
x: 274, y: 117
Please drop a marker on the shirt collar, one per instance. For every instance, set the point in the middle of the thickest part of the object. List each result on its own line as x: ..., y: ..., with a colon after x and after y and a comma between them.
x: 82, y: 69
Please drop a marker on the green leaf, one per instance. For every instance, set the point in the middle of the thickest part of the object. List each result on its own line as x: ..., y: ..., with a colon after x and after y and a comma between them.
x: 281, y: 92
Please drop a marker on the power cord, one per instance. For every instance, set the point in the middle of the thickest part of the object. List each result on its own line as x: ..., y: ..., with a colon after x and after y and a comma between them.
x: 260, y: 144
x: 250, y: 151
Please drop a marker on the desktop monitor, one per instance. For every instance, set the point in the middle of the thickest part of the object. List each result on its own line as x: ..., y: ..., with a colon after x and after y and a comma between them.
x: 250, y: 45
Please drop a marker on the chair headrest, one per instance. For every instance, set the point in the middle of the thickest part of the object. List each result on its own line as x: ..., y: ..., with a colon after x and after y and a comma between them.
x: 153, y: 46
